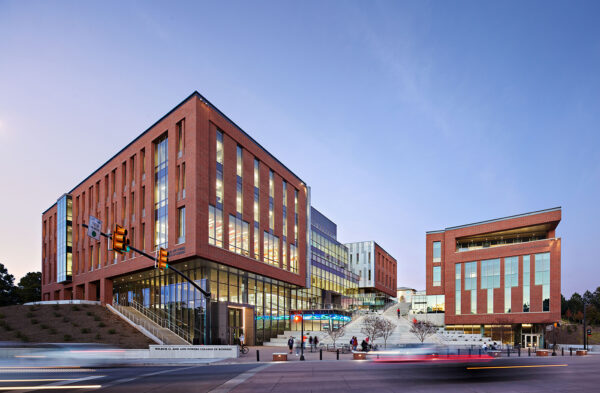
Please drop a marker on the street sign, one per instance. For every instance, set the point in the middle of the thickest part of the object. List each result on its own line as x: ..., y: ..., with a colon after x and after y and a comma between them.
x: 94, y: 228
x: 589, y: 332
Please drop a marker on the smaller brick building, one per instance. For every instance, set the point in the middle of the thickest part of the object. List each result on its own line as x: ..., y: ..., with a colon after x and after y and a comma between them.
x: 499, y: 277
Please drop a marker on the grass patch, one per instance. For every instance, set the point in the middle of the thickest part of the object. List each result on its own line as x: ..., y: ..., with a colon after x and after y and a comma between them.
x: 101, y: 324
x: 85, y: 331
x: 111, y: 331
x: 67, y: 337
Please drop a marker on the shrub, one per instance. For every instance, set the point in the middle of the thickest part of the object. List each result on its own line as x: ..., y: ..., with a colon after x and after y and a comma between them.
x: 2, y: 316
x: 75, y: 324
x: 67, y: 337
x: 57, y: 314
x: 29, y: 315
x: 96, y: 318
x: 75, y: 308
x: 44, y: 326
x: 55, y: 306
x: 34, y: 321
x: 22, y: 337
x: 98, y: 336
x: 101, y: 324
x: 85, y: 330
x: 65, y: 319
x: 5, y: 325
x: 111, y: 331
x: 52, y: 331
x: 89, y: 313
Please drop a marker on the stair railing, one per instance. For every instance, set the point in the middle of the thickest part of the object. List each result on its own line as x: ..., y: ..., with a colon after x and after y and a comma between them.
x: 172, y: 324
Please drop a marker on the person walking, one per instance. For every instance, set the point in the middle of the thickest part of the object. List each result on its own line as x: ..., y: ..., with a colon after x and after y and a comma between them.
x: 316, y: 342
x: 355, y: 343
x: 299, y: 345
x: 398, y: 312
x: 310, y: 342
x: 291, y: 344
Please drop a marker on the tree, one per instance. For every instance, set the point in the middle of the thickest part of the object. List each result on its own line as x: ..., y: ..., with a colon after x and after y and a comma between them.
x: 569, y: 314
x: 387, y: 328
x: 335, y: 334
x: 30, y: 287
x: 372, y: 327
x: 422, y: 329
x: 8, y: 294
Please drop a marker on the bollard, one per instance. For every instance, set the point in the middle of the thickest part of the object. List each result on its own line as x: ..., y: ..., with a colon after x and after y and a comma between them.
x: 458, y: 351
x: 563, y: 351
x: 571, y: 350
x: 519, y: 351
x: 528, y: 351
x: 479, y: 351
x: 257, y: 356
x: 508, y: 352
x: 321, y: 354
x: 469, y: 352
x: 337, y: 354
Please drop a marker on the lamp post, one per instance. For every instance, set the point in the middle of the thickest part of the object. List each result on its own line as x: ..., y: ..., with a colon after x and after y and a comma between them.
x: 584, y: 328
x: 302, y: 337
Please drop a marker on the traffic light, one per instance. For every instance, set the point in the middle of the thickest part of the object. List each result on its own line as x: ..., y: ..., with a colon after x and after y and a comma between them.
x: 163, y: 259
x: 120, y: 242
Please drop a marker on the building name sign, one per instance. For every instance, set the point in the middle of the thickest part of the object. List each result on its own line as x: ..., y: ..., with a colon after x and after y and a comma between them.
x: 194, y: 351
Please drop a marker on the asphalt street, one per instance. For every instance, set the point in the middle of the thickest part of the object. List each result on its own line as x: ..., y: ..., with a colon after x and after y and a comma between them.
x: 555, y: 374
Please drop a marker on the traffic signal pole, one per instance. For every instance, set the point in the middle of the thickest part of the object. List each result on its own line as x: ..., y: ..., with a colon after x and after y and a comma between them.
x: 185, y: 277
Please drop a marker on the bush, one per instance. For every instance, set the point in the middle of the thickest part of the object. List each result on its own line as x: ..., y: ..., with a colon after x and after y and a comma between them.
x: 67, y: 337
x: 22, y: 337
x: 55, y: 306
x: 75, y: 308
x: 111, y: 331
x: 101, y: 324
x: 98, y: 336
x: 52, y: 331
x: 85, y: 330
x: 57, y: 314
x: 96, y: 318
x: 29, y: 315
x: 44, y: 326
x: 2, y: 316
x: 75, y: 324
x: 65, y: 319
x: 34, y: 321
x: 5, y: 325
x: 89, y: 313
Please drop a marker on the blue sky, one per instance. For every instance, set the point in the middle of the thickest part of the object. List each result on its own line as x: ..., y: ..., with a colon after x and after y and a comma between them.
x: 403, y: 117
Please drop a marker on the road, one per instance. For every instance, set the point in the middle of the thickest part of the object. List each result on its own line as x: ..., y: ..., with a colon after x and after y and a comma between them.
x: 554, y: 374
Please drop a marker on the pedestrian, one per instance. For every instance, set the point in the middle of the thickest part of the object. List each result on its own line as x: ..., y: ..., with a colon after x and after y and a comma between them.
x: 316, y: 342
x: 484, y: 347
x: 291, y: 344
x: 355, y: 343
x: 365, y: 345
x: 398, y: 312
x: 242, y: 338
x: 310, y: 342
x: 299, y: 345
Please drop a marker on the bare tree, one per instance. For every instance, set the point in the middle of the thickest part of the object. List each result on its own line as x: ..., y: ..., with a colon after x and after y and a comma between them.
x: 387, y: 328
x: 335, y: 334
x: 422, y: 329
x: 372, y: 327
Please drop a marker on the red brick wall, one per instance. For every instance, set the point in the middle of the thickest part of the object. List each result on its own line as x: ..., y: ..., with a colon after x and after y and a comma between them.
x: 450, y: 257
x: 199, y: 156
x: 385, y: 272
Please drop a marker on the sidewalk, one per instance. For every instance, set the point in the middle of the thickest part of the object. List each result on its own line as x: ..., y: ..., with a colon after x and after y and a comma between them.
x: 266, y: 355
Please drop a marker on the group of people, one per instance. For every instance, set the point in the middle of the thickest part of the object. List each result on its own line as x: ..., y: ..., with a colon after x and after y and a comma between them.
x: 312, y: 341
x: 492, y: 347
x: 365, y: 346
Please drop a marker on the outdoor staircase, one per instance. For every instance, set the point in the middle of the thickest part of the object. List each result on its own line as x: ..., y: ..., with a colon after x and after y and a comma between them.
x: 159, y: 329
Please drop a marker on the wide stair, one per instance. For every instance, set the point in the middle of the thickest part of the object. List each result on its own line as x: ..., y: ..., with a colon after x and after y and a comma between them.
x: 163, y: 331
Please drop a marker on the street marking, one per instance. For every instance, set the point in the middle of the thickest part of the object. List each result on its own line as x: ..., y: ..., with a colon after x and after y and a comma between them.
x: 125, y: 380
x: 64, y: 384
x: 39, y: 380
x: 540, y: 365
x: 234, y: 382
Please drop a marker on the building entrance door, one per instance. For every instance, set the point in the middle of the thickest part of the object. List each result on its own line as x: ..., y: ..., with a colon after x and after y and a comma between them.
x: 530, y: 340
x: 235, y: 324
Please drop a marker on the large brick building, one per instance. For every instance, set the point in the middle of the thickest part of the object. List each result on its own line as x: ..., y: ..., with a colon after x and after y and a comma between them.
x: 499, y: 277
x: 232, y: 216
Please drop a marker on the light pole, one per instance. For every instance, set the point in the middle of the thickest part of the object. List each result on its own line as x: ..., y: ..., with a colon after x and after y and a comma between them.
x: 584, y: 328
x: 302, y: 337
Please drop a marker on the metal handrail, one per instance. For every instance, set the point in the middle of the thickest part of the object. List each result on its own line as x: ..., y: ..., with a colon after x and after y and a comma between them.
x: 138, y: 321
x: 170, y: 323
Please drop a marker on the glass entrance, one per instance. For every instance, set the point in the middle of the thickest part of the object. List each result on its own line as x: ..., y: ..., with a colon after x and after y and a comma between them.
x: 530, y: 340
x: 235, y: 325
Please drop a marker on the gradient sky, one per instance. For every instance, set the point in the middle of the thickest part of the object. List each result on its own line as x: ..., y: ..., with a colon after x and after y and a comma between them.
x: 403, y: 117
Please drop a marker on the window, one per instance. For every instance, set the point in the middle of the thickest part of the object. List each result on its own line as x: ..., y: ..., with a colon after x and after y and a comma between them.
x: 271, y: 196
x: 219, y: 179
x: 238, y: 236
x: 526, y: 283
x: 215, y: 226
x: 181, y: 226
x: 457, y: 288
x: 271, y: 248
x: 542, y: 277
x: 239, y: 188
x: 471, y: 283
x: 183, y: 180
x: 490, y: 279
x: 437, y: 276
x: 293, y: 258
x: 180, y: 137
x: 256, y: 173
x: 437, y: 251
x: 511, y: 279
x: 256, y: 241
x: 296, y: 217
x: 161, y: 188
x: 284, y: 211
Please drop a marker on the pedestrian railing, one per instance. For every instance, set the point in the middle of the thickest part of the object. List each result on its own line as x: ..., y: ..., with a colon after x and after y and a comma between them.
x: 172, y: 324
x: 156, y: 332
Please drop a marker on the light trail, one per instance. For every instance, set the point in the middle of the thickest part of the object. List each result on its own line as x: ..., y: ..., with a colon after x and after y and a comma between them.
x: 533, y: 366
x: 48, y: 387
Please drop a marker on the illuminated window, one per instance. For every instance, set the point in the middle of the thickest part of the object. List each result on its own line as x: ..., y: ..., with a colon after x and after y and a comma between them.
x: 161, y: 187
x: 526, y: 283
x: 215, y: 226
x: 238, y: 235
x: 271, y: 248
x: 181, y: 225
x: 490, y: 279
x: 511, y: 279
x: 471, y: 283
x: 542, y: 277
x: 457, y: 288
